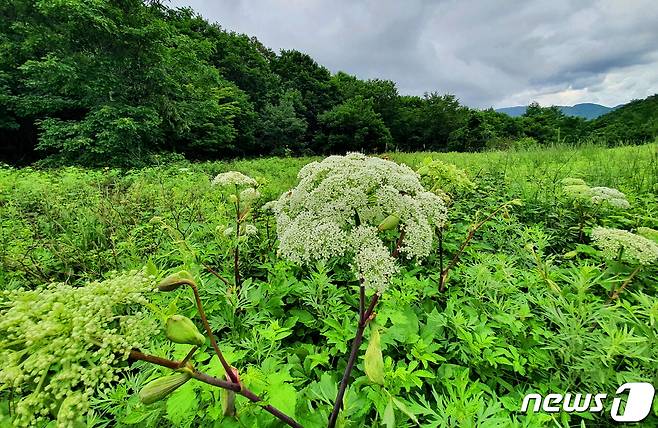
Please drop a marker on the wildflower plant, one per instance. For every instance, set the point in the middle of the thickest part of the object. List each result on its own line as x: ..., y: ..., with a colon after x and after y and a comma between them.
x: 242, y: 193
x: 368, y: 212
x: 624, y: 246
x: 62, y: 344
x: 589, y: 201
x: 444, y: 179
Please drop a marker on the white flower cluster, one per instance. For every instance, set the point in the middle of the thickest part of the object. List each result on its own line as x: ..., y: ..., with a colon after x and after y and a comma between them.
x: 233, y: 178
x: 633, y: 248
x: 613, y: 197
x: 337, y: 206
x: 60, y: 344
x: 578, y: 189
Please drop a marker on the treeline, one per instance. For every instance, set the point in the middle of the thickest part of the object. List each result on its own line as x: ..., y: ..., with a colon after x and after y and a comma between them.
x: 119, y: 82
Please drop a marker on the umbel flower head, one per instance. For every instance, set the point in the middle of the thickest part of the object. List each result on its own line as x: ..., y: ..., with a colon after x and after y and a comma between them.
x: 578, y: 189
x: 634, y: 249
x: 233, y: 178
x: 338, y: 206
x: 61, y: 344
x: 444, y: 178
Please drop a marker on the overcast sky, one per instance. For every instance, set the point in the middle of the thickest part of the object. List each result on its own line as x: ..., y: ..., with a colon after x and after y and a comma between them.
x: 487, y: 53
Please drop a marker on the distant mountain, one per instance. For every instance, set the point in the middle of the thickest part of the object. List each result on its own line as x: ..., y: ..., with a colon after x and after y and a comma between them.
x: 584, y: 110
x: 635, y: 121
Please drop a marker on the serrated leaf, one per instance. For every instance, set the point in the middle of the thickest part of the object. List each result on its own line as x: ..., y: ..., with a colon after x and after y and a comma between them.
x: 283, y: 397
x: 182, y: 405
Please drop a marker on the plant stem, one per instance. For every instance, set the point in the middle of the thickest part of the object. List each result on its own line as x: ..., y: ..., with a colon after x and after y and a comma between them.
x: 441, y: 258
x: 615, y: 294
x: 364, y: 318
x: 210, y: 380
x: 212, y: 271
x: 236, y: 254
x: 471, y: 234
x: 213, y: 342
x: 398, y: 244
x: 188, y: 357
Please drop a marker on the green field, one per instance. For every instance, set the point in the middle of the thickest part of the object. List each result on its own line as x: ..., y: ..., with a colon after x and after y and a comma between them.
x: 531, y: 304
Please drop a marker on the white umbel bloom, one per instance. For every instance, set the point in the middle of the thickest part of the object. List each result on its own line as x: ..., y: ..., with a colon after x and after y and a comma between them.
x: 249, y: 195
x: 576, y: 188
x: 335, y: 209
x: 634, y: 248
x: 233, y: 178
x: 613, y: 197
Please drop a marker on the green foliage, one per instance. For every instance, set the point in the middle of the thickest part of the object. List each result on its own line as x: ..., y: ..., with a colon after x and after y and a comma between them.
x: 352, y: 125
x: 101, y: 83
x: 282, y: 130
x: 525, y: 309
x: 441, y: 177
x: 635, y: 121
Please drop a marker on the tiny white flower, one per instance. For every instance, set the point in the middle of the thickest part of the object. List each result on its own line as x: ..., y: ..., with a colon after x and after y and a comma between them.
x: 233, y: 178
x: 633, y: 248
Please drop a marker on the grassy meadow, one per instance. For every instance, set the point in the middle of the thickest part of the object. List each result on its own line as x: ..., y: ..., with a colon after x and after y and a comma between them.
x: 530, y: 305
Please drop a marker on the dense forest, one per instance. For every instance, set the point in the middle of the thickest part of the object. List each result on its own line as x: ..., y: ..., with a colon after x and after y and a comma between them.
x: 126, y: 82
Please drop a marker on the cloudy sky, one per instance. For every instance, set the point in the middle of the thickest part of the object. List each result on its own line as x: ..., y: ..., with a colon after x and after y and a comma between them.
x: 487, y: 53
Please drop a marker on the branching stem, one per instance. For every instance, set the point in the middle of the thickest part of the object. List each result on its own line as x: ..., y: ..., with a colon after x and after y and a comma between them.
x: 462, y: 247
x: 210, y: 380
x: 615, y: 294
x: 364, y: 319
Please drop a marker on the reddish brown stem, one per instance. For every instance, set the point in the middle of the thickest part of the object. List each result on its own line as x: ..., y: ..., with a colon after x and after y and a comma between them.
x: 210, y: 380
x: 211, y: 336
x: 364, y: 319
x: 615, y: 294
x: 212, y: 271
x: 398, y: 244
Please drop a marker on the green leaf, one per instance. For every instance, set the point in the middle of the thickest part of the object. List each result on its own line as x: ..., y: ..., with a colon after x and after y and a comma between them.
x: 404, y: 409
x: 182, y: 405
x: 388, y: 418
x: 284, y: 397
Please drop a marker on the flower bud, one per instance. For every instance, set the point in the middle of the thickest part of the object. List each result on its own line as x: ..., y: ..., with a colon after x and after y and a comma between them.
x: 374, y: 361
x: 159, y: 388
x: 175, y: 280
x: 389, y: 223
x: 180, y: 329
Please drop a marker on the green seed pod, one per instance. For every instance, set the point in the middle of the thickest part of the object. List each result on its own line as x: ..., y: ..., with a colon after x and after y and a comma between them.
x: 175, y: 280
x: 159, y: 388
x: 389, y: 223
x: 180, y: 329
x: 374, y: 361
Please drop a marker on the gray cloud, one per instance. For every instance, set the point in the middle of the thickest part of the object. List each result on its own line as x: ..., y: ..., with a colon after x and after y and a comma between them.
x: 485, y: 52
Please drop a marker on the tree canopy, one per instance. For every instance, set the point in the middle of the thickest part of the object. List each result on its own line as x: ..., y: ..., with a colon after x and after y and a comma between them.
x: 114, y: 82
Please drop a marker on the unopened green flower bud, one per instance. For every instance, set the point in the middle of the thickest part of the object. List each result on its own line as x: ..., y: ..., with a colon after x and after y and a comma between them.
x: 389, y: 223
x: 159, y: 388
x: 374, y: 361
x: 175, y: 280
x: 180, y: 329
